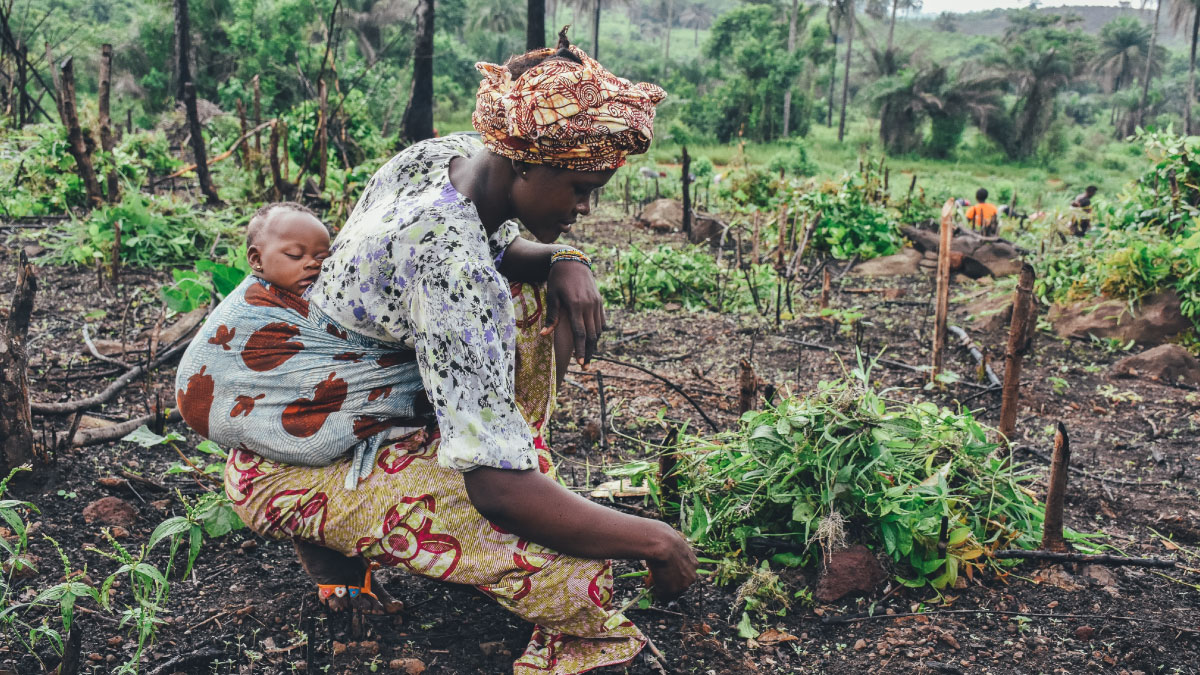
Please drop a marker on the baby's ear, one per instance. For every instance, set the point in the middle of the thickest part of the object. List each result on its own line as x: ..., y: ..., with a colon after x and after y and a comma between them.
x: 254, y: 257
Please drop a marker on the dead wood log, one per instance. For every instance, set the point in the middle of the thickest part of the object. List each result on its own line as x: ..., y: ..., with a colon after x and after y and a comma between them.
x: 107, y: 142
x: 109, y: 392
x: 112, y: 432
x: 1052, y: 525
x: 76, y: 143
x: 16, y: 424
x: 1019, y: 338
x: 943, y: 289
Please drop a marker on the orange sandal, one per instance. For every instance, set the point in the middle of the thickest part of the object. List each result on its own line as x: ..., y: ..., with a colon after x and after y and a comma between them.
x: 324, y: 591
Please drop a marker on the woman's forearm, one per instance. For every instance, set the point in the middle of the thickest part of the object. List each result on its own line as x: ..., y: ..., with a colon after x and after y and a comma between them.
x: 536, y: 508
x: 527, y: 261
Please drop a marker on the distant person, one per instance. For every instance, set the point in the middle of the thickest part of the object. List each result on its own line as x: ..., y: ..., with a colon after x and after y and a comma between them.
x: 1080, y: 226
x: 983, y: 217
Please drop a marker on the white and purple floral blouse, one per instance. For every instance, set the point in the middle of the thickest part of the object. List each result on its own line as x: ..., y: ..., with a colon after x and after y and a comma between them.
x: 413, y: 265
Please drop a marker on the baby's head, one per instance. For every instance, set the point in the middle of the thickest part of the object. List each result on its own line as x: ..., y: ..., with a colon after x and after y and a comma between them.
x: 285, y: 245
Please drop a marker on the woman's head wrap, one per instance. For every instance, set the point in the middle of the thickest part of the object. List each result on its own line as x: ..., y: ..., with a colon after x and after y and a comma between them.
x: 564, y: 114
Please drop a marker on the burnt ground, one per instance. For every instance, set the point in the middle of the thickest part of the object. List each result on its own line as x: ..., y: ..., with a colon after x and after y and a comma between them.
x: 248, y: 607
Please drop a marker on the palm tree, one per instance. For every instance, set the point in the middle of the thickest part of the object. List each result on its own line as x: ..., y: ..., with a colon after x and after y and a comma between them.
x: 896, y: 4
x: 1036, y: 72
x: 1181, y: 12
x: 906, y: 99
x: 494, y: 17
x: 1124, y: 44
x: 696, y: 16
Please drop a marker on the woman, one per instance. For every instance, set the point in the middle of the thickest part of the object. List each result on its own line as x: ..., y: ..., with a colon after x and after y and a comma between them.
x: 430, y: 261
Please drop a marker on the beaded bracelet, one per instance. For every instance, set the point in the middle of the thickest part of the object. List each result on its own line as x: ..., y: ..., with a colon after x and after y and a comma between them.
x: 571, y: 254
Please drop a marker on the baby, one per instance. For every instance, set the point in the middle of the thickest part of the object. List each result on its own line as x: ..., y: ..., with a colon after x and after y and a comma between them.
x: 272, y: 374
x: 286, y: 244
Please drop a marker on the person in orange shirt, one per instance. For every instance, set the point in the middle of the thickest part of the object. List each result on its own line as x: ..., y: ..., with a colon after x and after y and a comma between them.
x: 983, y: 216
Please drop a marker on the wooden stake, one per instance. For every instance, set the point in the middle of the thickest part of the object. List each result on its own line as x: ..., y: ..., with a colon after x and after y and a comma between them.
x: 75, y: 141
x: 322, y: 134
x: 273, y: 158
x: 1019, y: 337
x: 245, y: 146
x: 687, y: 201
x: 825, y: 285
x: 106, y: 135
x: 943, y: 288
x: 258, y: 114
x: 1052, y: 526
x: 54, y: 79
x: 668, y: 480
x: 747, y: 387
x: 116, y: 252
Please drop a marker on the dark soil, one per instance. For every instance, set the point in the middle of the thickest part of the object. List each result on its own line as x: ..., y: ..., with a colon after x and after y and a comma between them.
x: 248, y: 607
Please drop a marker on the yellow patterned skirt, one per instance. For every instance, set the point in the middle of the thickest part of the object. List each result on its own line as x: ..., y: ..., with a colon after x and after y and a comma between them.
x: 412, y: 513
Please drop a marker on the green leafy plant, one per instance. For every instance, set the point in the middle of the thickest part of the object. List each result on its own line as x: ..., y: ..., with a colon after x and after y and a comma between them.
x: 690, y: 277
x: 850, y: 462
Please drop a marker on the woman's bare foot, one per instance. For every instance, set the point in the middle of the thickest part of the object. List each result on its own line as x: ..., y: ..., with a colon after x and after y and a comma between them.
x: 328, y: 567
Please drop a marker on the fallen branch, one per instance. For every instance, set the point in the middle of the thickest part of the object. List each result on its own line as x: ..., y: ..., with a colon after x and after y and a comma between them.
x: 667, y: 382
x: 1093, y: 559
x: 115, y: 431
x: 976, y: 353
x: 87, y: 340
x: 70, y: 407
x: 224, y: 155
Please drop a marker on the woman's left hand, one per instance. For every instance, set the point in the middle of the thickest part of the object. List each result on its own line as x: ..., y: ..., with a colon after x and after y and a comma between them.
x: 571, y: 290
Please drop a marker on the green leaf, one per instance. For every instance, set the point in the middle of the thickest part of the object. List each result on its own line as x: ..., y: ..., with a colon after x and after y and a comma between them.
x: 745, y: 629
x: 147, y: 439
x: 170, y: 527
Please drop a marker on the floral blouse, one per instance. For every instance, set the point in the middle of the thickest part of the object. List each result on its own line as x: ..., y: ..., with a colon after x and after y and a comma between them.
x: 413, y: 265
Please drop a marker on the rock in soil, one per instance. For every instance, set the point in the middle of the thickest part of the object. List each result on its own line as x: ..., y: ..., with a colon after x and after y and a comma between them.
x: 1170, y: 364
x: 904, y: 262
x: 1154, y: 321
x: 853, y: 570
x: 407, y: 666
x: 662, y: 215
x: 110, y: 511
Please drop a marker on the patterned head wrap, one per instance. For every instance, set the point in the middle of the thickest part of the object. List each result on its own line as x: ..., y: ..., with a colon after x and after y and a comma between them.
x: 569, y: 115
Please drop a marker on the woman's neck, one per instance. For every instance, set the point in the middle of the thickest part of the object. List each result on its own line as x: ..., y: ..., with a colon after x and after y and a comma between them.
x: 485, y: 179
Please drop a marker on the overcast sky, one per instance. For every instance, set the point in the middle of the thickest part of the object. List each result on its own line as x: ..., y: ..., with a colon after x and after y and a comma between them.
x: 960, y: 6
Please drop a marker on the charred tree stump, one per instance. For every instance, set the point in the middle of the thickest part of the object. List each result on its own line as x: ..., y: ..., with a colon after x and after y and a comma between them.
x: 943, y: 289
x: 535, y: 25
x: 16, y: 422
x: 1019, y: 338
x: 687, y: 200
x: 244, y: 145
x: 76, y: 143
x: 747, y: 387
x: 668, y: 479
x: 322, y: 134
x: 1052, y: 526
x: 112, y: 188
x: 417, y: 123
x: 257, y: 114
x: 273, y: 157
x: 199, y: 152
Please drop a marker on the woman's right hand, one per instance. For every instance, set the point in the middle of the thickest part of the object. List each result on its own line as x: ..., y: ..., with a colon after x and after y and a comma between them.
x: 674, y: 570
